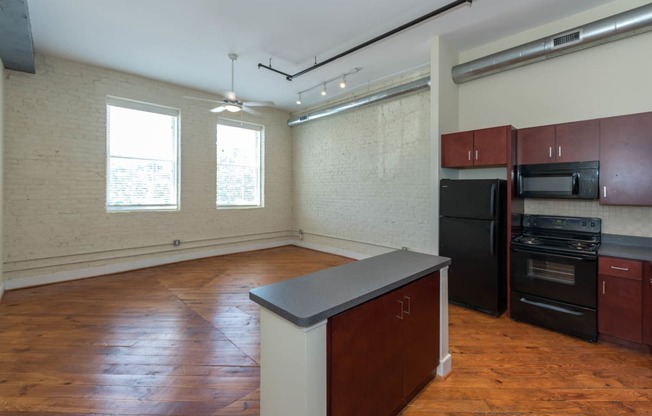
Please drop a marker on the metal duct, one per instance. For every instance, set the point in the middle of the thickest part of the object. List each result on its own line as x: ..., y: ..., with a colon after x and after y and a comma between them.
x: 362, y: 101
x: 612, y: 28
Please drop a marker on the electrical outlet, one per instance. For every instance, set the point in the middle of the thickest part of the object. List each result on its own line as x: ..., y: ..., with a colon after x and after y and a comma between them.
x: 176, y: 242
x: 404, y: 248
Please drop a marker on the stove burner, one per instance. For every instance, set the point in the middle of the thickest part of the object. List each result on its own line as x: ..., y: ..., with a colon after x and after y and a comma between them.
x: 531, y: 240
x: 579, y: 245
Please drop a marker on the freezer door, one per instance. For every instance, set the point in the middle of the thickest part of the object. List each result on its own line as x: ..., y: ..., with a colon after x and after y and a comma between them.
x: 474, y: 276
x: 469, y: 198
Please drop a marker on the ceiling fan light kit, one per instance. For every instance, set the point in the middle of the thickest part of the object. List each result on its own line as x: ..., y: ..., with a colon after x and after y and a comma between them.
x: 231, y: 103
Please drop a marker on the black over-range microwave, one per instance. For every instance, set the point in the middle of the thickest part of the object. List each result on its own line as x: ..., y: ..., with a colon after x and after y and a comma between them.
x: 577, y: 180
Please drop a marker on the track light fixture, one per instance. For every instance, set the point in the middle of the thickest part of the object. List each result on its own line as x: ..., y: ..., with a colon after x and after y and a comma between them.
x: 324, y: 84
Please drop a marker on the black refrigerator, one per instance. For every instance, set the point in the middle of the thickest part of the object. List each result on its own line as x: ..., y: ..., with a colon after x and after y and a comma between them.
x: 472, y: 233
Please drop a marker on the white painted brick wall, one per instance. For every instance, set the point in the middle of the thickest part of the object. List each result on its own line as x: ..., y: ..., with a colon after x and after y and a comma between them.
x: 363, y: 177
x: 55, y: 161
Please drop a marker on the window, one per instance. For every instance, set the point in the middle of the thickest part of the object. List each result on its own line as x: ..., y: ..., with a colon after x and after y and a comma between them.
x: 239, y: 148
x: 142, y: 150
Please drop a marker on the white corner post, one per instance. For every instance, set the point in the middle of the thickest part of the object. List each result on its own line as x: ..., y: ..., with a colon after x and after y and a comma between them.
x: 445, y: 359
x: 292, y: 367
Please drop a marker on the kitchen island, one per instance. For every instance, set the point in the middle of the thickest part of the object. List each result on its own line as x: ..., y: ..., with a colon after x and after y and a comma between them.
x: 305, y: 321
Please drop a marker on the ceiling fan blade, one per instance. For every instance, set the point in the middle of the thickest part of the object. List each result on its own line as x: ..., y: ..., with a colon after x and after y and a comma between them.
x: 259, y: 104
x: 251, y: 111
x: 217, y: 109
x: 201, y: 99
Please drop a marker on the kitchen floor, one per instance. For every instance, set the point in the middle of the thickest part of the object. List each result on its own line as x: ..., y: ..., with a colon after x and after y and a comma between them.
x: 182, y: 339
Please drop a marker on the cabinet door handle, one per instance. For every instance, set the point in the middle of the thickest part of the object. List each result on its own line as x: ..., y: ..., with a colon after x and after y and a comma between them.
x: 624, y: 269
x: 401, y: 315
x: 604, y: 191
x: 409, y: 304
x: 559, y: 153
x: 603, y: 287
x: 550, y: 151
x: 476, y: 155
x: 469, y: 155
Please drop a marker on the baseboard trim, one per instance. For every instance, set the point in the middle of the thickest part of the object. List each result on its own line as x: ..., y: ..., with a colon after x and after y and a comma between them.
x: 331, y: 250
x: 45, y: 279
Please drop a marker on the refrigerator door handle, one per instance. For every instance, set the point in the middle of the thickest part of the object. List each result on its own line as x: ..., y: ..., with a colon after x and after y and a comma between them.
x: 492, y: 201
x: 492, y: 239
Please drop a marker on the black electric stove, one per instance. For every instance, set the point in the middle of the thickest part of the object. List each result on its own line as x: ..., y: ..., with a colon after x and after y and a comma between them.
x: 563, y: 235
x: 554, y: 267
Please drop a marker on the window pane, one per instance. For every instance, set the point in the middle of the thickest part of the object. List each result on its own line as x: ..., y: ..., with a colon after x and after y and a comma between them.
x: 141, y: 134
x: 142, y: 168
x: 238, y: 166
x: 142, y: 182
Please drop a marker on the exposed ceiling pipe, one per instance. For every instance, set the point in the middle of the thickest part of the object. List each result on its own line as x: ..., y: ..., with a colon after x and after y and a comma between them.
x: 416, y: 21
x: 623, y: 25
x: 362, y: 101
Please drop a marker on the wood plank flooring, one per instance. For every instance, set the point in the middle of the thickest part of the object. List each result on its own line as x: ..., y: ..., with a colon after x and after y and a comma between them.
x: 182, y: 339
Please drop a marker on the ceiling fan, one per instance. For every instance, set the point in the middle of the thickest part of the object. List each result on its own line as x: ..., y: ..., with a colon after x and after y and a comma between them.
x: 230, y: 102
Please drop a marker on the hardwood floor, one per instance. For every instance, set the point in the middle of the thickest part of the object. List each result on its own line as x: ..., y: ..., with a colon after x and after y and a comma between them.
x: 182, y: 339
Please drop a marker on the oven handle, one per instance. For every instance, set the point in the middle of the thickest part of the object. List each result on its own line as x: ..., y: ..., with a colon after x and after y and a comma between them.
x: 553, y: 254
x: 551, y: 307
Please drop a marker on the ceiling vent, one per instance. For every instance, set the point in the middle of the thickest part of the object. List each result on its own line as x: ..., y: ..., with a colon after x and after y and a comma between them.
x: 620, y: 26
x: 567, y: 38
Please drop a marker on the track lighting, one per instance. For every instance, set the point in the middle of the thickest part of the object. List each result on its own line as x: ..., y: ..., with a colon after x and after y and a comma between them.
x: 324, y: 84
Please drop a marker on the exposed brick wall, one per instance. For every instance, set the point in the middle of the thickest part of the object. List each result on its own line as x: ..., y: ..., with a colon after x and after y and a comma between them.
x: 55, y: 162
x: 363, y: 177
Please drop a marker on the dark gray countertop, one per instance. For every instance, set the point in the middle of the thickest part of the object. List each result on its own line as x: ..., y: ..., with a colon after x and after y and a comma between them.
x: 312, y: 298
x: 628, y: 247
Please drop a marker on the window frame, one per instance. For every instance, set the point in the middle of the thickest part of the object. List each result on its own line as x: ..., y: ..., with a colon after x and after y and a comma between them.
x: 150, y: 108
x: 260, y: 129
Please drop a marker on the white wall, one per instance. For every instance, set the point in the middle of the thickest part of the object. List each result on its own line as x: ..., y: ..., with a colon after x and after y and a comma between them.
x: 56, y: 224
x: 607, y: 80
x: 2, y: 130
x: 361, y: 178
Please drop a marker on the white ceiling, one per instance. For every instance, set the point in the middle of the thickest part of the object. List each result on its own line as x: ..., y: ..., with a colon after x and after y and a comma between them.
x: 186, y: 42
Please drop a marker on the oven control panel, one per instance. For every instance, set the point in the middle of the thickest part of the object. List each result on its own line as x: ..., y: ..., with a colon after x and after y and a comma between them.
x: 550, y: 222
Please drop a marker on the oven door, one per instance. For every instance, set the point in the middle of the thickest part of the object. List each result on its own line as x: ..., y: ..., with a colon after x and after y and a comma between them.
x: 554, y: 276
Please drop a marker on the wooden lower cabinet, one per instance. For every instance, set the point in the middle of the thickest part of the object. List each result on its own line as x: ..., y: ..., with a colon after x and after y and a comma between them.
x: 647, y: 303
x: 620, y: 298
x: 382, y: 353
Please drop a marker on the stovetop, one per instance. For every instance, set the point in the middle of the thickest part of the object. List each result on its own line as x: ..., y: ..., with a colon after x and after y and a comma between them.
x: 566, y: 235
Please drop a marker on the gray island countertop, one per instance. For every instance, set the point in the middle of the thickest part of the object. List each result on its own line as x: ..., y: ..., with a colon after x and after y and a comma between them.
x: 309, y: 299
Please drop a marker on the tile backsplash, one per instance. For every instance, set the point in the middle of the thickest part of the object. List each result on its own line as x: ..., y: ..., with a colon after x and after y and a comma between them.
x: 623, y: 220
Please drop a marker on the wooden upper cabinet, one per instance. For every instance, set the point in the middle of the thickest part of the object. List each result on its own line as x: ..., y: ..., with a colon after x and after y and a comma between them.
x: 625, y: 160
x: 534, y: 145
x: 457, y: 149
x: 484, y: 147
x: 557, y: 143
x: 490, y: 146
x: 578, y: 141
